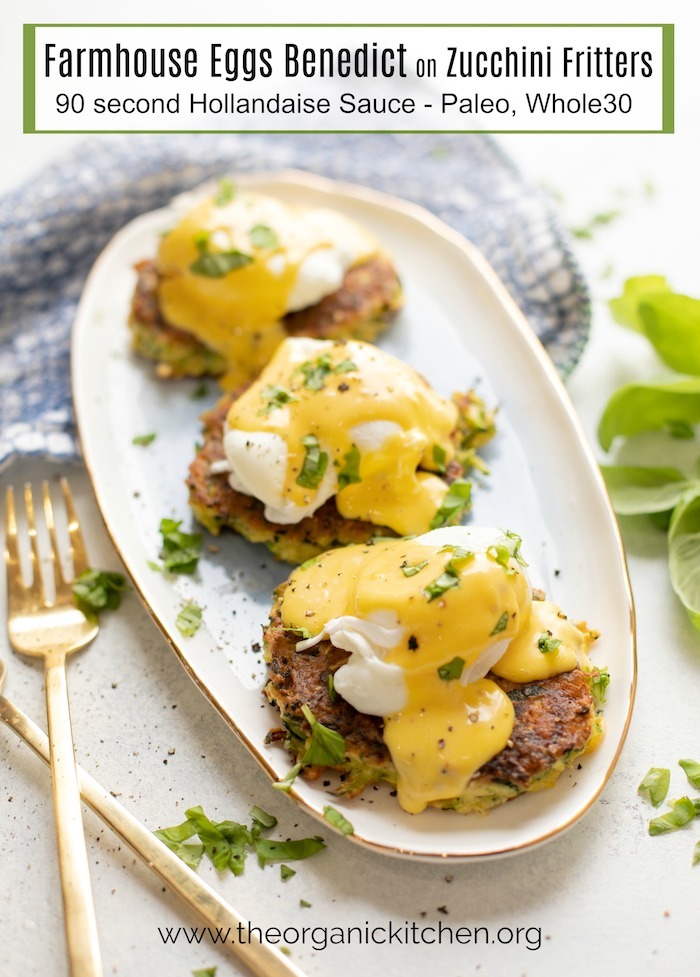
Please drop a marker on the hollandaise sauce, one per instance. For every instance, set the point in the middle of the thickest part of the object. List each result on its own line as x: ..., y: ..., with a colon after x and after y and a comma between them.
x: 425, y: 621
x: 344, y: 419
x: 237, y: 263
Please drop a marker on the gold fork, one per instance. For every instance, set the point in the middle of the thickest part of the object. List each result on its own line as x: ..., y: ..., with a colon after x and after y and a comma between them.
x: 52, y: 629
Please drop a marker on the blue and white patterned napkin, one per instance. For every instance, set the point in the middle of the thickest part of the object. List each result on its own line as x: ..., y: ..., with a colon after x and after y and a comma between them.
x: 53, y: 228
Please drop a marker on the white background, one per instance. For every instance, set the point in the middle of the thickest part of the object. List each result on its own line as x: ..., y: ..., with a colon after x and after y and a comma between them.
x: 608, y: 897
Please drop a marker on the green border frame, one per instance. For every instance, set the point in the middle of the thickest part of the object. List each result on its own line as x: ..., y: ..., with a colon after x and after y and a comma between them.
x: 667, y: 88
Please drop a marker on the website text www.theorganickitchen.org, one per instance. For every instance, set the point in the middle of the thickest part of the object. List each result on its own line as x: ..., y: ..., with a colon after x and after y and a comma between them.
x: 389, y: 933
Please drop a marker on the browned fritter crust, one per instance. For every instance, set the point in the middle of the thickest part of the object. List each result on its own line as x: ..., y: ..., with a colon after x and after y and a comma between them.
x: 369, y: 298
x: 554, y: 718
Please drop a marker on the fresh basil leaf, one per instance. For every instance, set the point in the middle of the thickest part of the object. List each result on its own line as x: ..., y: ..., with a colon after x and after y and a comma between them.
x: 452, y: 670
x: 655, y: 785
x: 189, y: 620
x: 692, y: 771
x: 276, y: 397
x: 682, y: 812
x: 216, y: 264
x: 98, y: 590
x: 224, y: 844
x: 684, y: 554
x: 501, y: 624
x: 262, y: 236
x: 282, y: 851
x: 314, y: 465
x: 262, y: 818
x: 327, y: 746
x: 338, y: 820
x: 226, y: 192
x: 349, y: 474
x: 411, y: 571
x: 672, y: 325
x: 143, y: 439
x: 625, y: 309
x: 180, y: 551
x: 638, y: 490
x: 652, y: 406
x: 455, y: 502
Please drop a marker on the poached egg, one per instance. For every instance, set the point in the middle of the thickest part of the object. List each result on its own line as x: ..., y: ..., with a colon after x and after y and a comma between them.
x: 237, y: 262
x: 425, y: 620
x: 341, y: 419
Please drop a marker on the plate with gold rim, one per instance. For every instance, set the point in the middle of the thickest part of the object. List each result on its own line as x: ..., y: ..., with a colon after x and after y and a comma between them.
x: 460, y: 327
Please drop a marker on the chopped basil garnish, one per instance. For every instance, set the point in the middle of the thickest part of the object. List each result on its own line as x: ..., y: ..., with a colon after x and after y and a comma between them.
x: 345, y: 366
x: 682, y: 812
x: 350, y: 472
x: 98, y: 590
x: 457, y: 499
x: 227, y: 843
x: 180, y: 551
x: 696, y: 853
x: 303, y: 904
x: 440, y: 458
x: 599, y: 684
x: 286, y: 873
x: 507, y: 550
x: 452, y: 670
x: 338, y: 820
x: 226, y: 192
x: 216, y: 264
x: 316, y: 371
x: 310, y: 562
x: 200, y: 392
x: 411, y: 571
x: 204, y: 972
x: 304, y: 633
x: 276, y: 397
x: 692, y: 771
x: 286, y: 783
x: 331, y: 687
x: 262, y: 236
x: 143, y: 439
x: 546, y: 642
x: 655, y: 785
x: 446, y: 581
x: 189, y: 619
x: 501, y: 624
x: 315, y: 463
x: 262, y: 818
x: 282, y: 851
x: 327, y: 747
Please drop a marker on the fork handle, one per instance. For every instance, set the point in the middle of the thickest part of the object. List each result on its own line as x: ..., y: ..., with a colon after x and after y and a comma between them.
x: 78, y: 904
x: 262, y: 959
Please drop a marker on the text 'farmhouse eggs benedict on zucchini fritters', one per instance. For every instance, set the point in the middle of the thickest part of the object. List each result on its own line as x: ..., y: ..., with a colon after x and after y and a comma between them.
x: 435, y: 668
x: 335, y: 443
x: 240, y: 271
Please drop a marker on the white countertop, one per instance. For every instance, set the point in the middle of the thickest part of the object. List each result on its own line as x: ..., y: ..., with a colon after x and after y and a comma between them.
x: 607, y: 896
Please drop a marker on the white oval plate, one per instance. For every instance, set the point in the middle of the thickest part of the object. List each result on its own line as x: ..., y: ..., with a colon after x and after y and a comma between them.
x: 459, y: 328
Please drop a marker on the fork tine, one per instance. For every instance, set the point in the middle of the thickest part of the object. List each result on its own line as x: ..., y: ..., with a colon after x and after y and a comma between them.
x: 55, y: 553
x: 36, y: 588
x: 77, y: 544
x: 14, y: 570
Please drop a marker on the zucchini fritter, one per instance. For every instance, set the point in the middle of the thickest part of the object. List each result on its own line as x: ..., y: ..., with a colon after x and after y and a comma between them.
x: 555, y: 722
x: 368, y: 300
